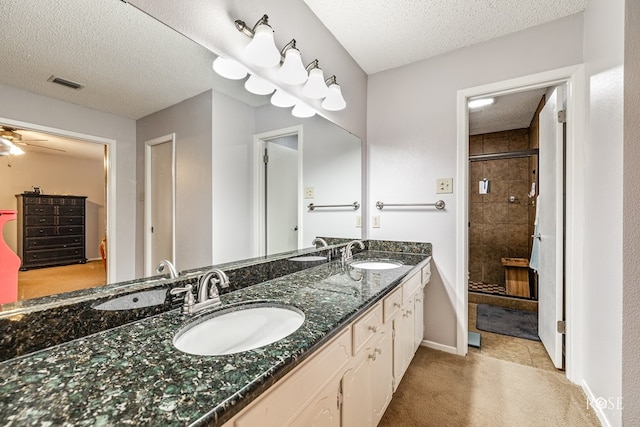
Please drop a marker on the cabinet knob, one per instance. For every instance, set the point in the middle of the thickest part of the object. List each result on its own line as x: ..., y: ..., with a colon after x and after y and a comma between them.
x: 409, y: 312
x: 378, y: 350
x: 418, y: 300
x: 397, y: 305
x: 372, y: 357
x: 373, y: 328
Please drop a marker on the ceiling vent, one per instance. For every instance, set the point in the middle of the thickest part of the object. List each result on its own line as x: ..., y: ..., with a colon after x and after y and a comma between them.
x: 65, y: 82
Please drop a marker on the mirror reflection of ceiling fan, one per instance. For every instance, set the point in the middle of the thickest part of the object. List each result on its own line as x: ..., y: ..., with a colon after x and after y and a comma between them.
x: 11, y: 140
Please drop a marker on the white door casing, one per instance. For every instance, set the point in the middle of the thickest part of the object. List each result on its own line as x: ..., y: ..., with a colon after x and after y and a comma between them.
x: 282, y: 198
x: 159, y: 230
x: 550, y: 227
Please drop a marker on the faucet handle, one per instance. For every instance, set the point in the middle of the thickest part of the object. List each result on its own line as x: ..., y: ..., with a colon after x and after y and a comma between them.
x: 189, y: 299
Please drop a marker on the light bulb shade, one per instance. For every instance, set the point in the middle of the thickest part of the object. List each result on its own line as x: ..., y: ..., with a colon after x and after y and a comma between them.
x: 303, y: 111
x: 283, y: 99
x: 229, y: 68
x: 315, y: 88
x: 292, y: 71
x: 258, y: 86
x: 16, y: 151
x: 262, y: 50
x: 334, y: 100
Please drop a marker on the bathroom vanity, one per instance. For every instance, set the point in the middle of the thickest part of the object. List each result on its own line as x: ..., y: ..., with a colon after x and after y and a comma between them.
x: 360, y: 331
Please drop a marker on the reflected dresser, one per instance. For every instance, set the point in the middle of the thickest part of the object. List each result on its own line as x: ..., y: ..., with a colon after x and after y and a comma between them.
x: 51, y: 230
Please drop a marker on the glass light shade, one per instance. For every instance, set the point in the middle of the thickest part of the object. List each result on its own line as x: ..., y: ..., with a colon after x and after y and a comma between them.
x: 283, y: 99
x: 303, y: 111
x: 15, y: 150
x: 315, y: 88
x: 258, y: 86
x: 229, y: 68
x: 262, y: 49
x: 292, y: 71
x: 334, y: 100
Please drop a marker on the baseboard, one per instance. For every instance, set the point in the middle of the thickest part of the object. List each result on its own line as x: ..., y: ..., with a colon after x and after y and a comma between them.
x: 438, y: 346
x: 94, y: 259
x: 598, y: 410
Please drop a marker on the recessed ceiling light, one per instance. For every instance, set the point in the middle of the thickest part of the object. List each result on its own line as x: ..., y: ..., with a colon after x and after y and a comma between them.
x: 482, y: 102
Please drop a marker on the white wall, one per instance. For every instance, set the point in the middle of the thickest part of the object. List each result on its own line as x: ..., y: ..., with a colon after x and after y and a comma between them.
x: 56, y: 174
x: 603, y: 57
x: 191, y: 121
x: 411, y: 128
x: 28, y: 107
x: 631, y: 224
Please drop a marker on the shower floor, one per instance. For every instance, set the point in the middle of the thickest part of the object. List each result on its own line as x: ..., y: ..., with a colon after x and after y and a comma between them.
x: 487, y: 288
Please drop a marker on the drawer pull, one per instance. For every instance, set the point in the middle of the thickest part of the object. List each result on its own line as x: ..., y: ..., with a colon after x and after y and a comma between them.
x: 378, y: 350
x: 397, y: 305
x: 372, y: 357
x: 373, y: 328
x: 418, y: 300
x: 43, y: 219
x: 409, y: 312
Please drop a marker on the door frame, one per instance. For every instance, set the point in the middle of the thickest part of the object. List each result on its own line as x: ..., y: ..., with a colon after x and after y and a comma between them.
x: 169, y: 138
x: 258, y: 184
x: 109, y: 168
x: 575, y: 79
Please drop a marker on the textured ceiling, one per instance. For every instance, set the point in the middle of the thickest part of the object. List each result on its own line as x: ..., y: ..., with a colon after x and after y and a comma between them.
x: 384, y: 34
x: 513, y: 111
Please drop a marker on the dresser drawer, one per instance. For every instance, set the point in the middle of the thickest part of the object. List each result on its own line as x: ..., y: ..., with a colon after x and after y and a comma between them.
x: 70, y: 230
x: 39, y: 220
x: 70, y: 220
x: 53, y: 254
x: 366, y: 327
x: 53, y: 242
x: 40, y: 210
x: 71, y: 210
x: 40, y: 231
x: 392, y: 304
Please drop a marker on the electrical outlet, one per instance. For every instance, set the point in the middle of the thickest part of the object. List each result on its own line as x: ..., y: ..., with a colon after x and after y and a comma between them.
x: 309, y: 192
x: 444, y: 185
x: 358, y: 221
x: 375, y: 223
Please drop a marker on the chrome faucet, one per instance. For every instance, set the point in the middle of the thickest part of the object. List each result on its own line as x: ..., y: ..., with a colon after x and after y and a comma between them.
x: 166, y: 264
x: 323, y: 243
x: 208, y: 295
x: 347, y: 254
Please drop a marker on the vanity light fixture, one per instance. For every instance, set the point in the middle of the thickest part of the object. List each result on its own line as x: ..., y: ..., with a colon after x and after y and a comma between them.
x: 262, y: 50
x: 334, y: 100
x: 258, y: 86
x: 283, y: 99
x: 292, y: 71
x: 482, y: 102
x: 315, y: 87
x: 229, y: 68
x: 302, y: 110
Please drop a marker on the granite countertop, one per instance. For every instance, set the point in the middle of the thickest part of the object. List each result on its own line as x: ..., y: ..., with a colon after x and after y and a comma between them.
x: 133, y: 375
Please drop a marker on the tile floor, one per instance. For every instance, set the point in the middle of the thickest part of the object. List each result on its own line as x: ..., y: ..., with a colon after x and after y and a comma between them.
x: 517, y: 350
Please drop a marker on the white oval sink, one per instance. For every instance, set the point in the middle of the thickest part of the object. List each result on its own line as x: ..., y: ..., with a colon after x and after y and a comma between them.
x: 375, y: 265
x: 238, y: 329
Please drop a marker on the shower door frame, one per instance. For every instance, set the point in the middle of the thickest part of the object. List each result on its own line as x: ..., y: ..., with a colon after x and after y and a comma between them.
x: 574, y: 77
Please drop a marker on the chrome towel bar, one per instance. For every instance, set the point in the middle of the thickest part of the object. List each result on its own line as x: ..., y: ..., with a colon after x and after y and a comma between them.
x: 354, y: 205
x: 438, y: 205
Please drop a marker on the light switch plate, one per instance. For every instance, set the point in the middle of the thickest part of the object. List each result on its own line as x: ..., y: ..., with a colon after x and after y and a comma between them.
x: 309, y: 193
x: 444, y: 185
x: 375, y: 223
x: 358, y: 221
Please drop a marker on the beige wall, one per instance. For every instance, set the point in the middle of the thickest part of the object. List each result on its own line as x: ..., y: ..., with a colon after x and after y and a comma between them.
x: 56, y: 174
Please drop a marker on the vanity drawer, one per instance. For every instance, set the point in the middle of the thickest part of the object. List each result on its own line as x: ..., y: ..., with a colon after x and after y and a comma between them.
x: 426, y: 273
x: 366, y: 327
x: 410, y: 286
x: 392, y: 304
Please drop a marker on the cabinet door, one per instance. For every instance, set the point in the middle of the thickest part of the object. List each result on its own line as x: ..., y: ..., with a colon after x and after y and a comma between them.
x: 324, y: 409
x: 382, y: 377
x: 403, y: 326
x: 357, y: 392
x: 419, y: 319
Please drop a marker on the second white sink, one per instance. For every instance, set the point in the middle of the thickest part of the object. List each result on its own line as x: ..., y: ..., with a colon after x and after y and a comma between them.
x: 239, y: 328
x: 376, y: 265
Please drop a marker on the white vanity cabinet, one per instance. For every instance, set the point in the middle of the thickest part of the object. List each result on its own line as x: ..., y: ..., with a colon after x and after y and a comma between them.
x: 350, y: 381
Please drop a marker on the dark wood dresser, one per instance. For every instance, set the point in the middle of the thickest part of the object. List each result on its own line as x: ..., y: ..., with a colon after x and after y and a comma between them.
x: 51, y: 230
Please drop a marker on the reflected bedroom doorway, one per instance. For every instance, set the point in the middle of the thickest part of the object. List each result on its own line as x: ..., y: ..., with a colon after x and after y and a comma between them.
x: 59, y: 163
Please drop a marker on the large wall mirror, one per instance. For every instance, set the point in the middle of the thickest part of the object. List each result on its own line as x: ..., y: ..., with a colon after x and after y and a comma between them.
x: 170, y: 156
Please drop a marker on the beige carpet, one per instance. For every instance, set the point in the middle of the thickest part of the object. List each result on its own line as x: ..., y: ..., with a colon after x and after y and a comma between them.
x: 441, y: 389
